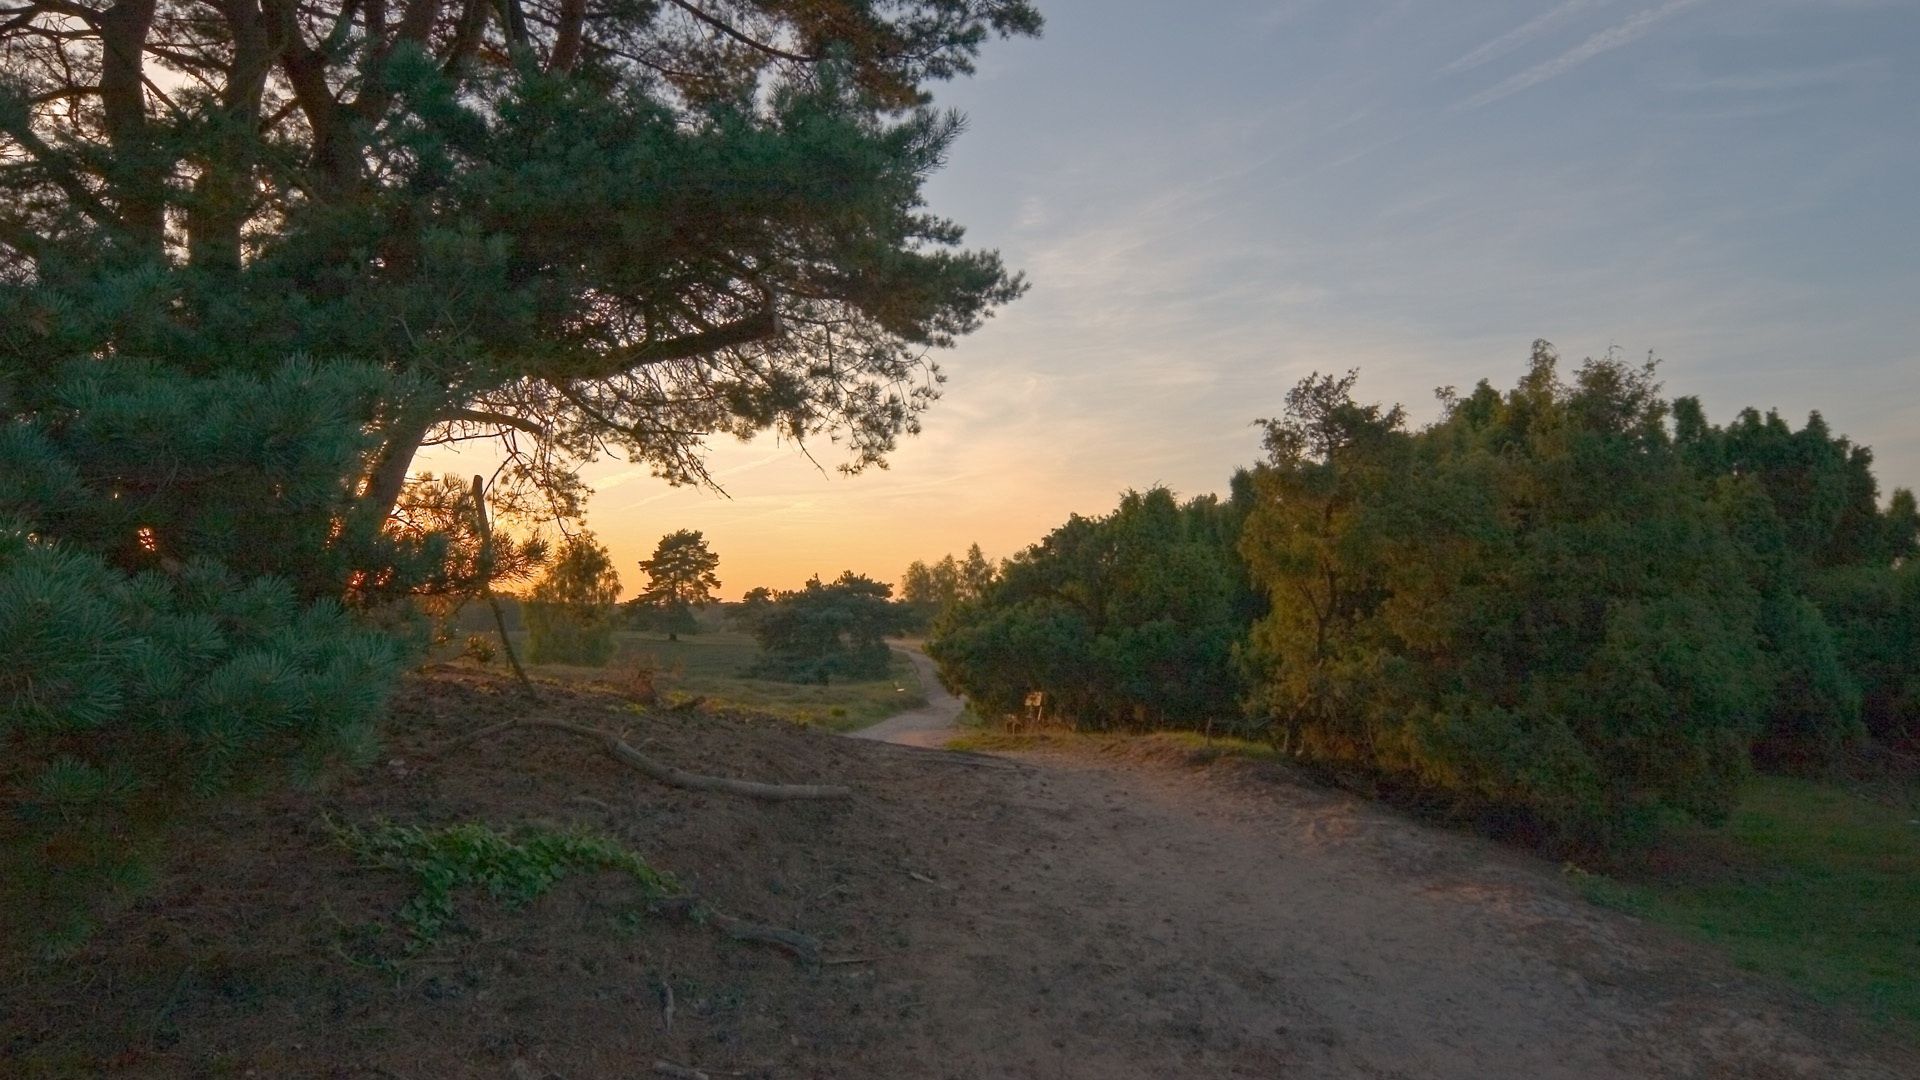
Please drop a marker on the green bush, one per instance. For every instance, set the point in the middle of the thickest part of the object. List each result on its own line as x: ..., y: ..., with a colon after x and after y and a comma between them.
x: 570, y: 613
x: 1528, y: 605
x: 826, y: 630
x: 1875, y: 614
x: 1128, y: 620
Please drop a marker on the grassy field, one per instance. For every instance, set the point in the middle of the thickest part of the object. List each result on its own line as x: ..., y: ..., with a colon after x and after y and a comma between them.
x: 1807, y: 882
x: 714, y: 665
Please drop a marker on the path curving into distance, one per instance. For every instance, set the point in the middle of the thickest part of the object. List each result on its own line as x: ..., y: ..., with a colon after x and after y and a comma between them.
x: 930, y: 725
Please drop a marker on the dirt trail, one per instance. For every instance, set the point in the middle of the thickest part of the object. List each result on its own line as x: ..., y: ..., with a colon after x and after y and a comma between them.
x: 927, y: 726
x: 1116, y: 919
x: 1163, y: 921
x: 1079, y: 915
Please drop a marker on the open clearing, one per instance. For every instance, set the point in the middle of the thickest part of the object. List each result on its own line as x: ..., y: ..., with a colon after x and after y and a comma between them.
x: 1049, y: 915
x: 717, y: 665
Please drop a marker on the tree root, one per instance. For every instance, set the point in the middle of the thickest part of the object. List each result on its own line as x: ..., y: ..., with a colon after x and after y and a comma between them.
x: 666, y: 774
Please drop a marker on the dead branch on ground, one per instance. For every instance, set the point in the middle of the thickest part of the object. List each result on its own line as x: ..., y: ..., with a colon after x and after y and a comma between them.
x: 666, y: 774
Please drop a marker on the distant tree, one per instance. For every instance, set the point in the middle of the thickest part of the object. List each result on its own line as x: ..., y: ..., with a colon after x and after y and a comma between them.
x: 930, y: 591
x: 976, y: 574
x: 680, y: 578
x: 570, y: 611
x: 826, y: 629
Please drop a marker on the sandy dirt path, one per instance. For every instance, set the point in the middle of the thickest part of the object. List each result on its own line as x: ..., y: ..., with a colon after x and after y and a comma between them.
x: 1165, y: 921
x: 931, y: 724
x: 1095, y: 917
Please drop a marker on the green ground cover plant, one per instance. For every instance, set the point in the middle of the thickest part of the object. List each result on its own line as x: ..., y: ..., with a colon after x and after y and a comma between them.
x: 514, y: 869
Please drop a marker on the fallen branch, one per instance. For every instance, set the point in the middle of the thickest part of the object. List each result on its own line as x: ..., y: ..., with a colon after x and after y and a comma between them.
x: 666, y: 994
x: 666, y: 774
x: 800, y: 945
x: 793, y: 941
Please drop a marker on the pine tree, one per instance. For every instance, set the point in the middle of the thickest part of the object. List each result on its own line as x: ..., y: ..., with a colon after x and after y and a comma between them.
x: 680, y: 578
x: 623, y: 227
x: 255, y: 254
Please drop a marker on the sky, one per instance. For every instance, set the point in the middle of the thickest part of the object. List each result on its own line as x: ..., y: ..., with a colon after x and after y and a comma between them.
x: 1213, y: 200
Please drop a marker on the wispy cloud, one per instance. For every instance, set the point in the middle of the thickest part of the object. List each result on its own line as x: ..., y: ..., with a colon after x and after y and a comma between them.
x: 1540, y: 24
x: 1626, y: 33
x: 1780, y: 80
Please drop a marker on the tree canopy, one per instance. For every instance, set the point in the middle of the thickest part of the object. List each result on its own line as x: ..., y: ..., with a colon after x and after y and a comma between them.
x: 570, y: 610
x: 576, y: 226
x: 931, y: 589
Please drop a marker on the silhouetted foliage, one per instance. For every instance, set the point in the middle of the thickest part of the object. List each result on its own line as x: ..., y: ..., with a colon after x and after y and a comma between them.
x: 930, y: 591
x: 825, y: 630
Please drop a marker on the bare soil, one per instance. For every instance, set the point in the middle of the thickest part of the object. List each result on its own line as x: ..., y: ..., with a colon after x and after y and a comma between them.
x: 1049, y: 915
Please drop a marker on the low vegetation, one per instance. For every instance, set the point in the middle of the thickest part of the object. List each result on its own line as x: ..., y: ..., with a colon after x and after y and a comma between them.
x: 514, y: 870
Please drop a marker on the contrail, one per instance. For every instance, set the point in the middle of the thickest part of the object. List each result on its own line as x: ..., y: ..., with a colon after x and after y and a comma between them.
x: 1520, y: 35
x: 1607, y: 40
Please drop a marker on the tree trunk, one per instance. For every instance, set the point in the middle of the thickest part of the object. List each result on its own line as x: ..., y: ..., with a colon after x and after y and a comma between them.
x: 139, y: 190
x: 388, y: 477
x: 223, y: 191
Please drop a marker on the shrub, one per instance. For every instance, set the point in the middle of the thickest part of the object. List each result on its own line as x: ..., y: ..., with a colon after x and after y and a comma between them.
x: 826, y: 629
x: 1128, y: 620
x: 570, y: 612
x: 1530, y: 604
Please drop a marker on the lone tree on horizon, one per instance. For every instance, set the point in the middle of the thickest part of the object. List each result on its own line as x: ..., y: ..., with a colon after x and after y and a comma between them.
x: 680, y: 578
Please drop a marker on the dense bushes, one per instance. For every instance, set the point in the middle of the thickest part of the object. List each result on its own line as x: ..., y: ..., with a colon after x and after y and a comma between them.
x: 1529, y: 603
x: 825, y: 630
x: 1125, y: 620
x: 1875, y: 612
x: 1573, y: 602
